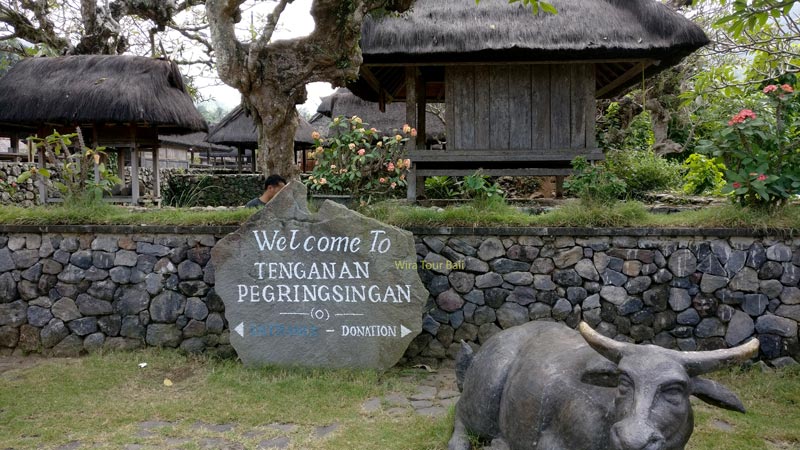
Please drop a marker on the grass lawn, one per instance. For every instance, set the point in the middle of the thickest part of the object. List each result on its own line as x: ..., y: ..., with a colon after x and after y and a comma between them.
x: 493, y: 213
x: 107, y: 401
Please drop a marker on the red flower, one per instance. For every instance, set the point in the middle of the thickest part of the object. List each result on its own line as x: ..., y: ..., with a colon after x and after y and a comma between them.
x: 737, y: 185
x: 742, y: 116
x: 770, y: 88
x: 762, y: 177
x: 786, y: 88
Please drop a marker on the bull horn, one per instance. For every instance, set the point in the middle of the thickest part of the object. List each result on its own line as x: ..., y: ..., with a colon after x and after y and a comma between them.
x: 609, y: 348
x: 698, y: 363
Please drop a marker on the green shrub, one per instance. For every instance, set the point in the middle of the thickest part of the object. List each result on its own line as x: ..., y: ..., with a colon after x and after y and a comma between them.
x: 703, y: 175
x: 441, y: 187
x: 478, y: 186
x: 643, y: 171
x: 593, y: 183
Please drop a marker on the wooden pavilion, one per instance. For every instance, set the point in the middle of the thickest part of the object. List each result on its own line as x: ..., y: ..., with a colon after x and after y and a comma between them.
x: 119, y: 102
x: 344, y: 103
x: 519, y: 88
x: 238, y: 129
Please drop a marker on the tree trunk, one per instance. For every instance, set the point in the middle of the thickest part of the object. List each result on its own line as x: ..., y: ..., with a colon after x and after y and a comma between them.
x: 276, y: 116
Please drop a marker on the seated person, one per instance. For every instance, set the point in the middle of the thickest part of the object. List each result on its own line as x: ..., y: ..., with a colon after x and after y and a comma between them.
x: 272, y: 185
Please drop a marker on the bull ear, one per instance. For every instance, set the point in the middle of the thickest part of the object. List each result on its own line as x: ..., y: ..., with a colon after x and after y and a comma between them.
x: 716, y: 394
x: 601, y: 372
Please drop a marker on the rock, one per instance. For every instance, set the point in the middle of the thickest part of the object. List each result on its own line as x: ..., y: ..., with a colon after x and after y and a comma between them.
x: 543, y: 283
x: 167, y: 306
x: 189, y: 270
x: 8, y: 288
x: 103, y: 290
x: 441, y: 283
x: 463, y: 282
x: 38, y: 316
x: 27, y: 290
x: 682, y: 263
x: 614, y: 278
x: 163, y: 335
x: 144, y: 248
x: 110, y: 325
x: 125, y: 258
x: 193, y: 345
x: 746, y: 281
x: 771, y: 345
x: 65, y: 309
x: 505, y: 265
x: 567, y: 258
x: 518, y: 278
x: 771, y: 270
x: 756, y: 256
x: 132, y: 328
x: 784, y: 362
x: 81, y: 259
x: 710, y: 265
x: 637, y: 285
x: 740, y: 328
x: 196, y: 309
x: 656, y: 297
x: 69, y: 347
x: 6, y: 262
x: 120, y: 275
x: 53, y: 333
x: 585, y: 268
x: 511, y: 314
x: 629, y: 306
x: 129, y: 300
x: 449, y: 301
x: 591, y: 302
x: 491, y: 248
x: 542, y: 266
x: 780, y: 326
x: 9, y: 336
x: 576, y: 295
x: 484, y: 315
x: 679, y: 299
x: 94, y: 342
x: 32, y: 273
x: 710, y: 327
x: 522, y: 295
x: 83, y: 326
x: 194, y: 328
x: 462, y: 247
x: 567, y: 277
x: 90, y: 306
x: 632, y: 268
x: 72, y: 274
x: 710, y: 283
x: 789, y: 311
x: 486, y: 331
x: 755, y: 304
x: 103, y: 260
x: 736, y: 262
x: 561, y: 309
x: 51, y: 267
x: 475, y: 297
x: 662, y: 276
x: 24, y: 259
x: 725, y: 313
x: 105, y: 243
x: 475, y: 265
x: 95, y: 274
x: 779, y: 252
x: 688, y: 317
x: 771, y: 288
x: 791, y: 274
x: 613, y: 294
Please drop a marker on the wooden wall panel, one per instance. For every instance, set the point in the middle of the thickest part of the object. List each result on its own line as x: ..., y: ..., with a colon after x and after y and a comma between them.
x: 560, y: 106
x: 519, y: 88
x: 483, y: 105
x: 449, y: 113
x: 577, y: 118
x: 500, y: 133
x: 540, y: 106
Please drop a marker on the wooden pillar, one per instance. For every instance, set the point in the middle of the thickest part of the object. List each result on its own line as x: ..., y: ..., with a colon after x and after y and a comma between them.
x: 559, y: 186
x: 239, y: 158
x: 156, y: 177
x: 14, y: 143
x: 421, y: 105
x: 134, y: 169
x: 412, y: 84
x: 121, y: 165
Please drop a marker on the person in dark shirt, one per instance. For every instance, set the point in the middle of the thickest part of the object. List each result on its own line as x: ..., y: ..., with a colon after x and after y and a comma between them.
x: 272, y: 185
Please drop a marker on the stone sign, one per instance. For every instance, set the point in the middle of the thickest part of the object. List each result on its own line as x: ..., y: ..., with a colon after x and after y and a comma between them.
x: 326, y: 289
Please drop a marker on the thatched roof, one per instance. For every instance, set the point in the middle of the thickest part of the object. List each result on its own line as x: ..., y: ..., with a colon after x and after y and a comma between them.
x: 93, y: 89
x: 623, y: 38
x: 345, y: 103
x: 456, y: 30
x: 193, y: 141
x: 238, y: 128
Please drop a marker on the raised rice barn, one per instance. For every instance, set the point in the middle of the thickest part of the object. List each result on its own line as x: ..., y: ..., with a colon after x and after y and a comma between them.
x: 120, y: 102
x: 519, y: 88
x: 238, y: 129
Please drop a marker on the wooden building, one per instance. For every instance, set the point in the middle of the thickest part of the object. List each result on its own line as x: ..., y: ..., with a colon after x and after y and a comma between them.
x: 184, y: 150
x: 519, y: 88
x: 238, y: 129
x: 122, y: 103
x: 344, y: 103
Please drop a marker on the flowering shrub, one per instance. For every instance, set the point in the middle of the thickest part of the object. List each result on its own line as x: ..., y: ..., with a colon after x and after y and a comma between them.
x: 760, y: 150
x: 358, y: 161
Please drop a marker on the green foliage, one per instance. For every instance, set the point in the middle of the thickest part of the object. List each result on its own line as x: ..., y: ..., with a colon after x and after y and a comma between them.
x: 357, y: 161
x: 639, y: 134
x: 443, y: 187
x: 83, y: 177
x: 761, y: 149
x: 182, y: 189
x: 594, y: 183
x: 196, y: 193
x: 643, y: 171
x: 478, y: 186
x: 535, y: 5
x: 703, y: 175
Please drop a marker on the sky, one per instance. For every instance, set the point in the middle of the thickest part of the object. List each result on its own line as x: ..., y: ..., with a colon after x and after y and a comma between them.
x: 296, y: 21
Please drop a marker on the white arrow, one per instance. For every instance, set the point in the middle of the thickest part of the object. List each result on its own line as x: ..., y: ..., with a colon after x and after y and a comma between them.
x: 404, y: 331
x: 240, y: 329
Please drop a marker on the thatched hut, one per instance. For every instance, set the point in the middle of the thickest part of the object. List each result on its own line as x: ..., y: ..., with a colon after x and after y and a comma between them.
x: 119, y: 102
x: 344, y: 103
x: 238, y: 129
x: 519, y: 88
x: 181, y: 150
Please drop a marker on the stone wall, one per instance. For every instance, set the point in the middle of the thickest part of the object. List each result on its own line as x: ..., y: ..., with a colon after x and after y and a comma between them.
x: 70, y: 290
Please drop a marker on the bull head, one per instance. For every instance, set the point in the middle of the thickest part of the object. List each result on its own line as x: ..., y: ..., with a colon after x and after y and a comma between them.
x: 652, y: 409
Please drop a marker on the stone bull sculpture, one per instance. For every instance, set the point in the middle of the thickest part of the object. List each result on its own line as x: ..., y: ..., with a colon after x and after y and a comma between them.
x: 540, y: 386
